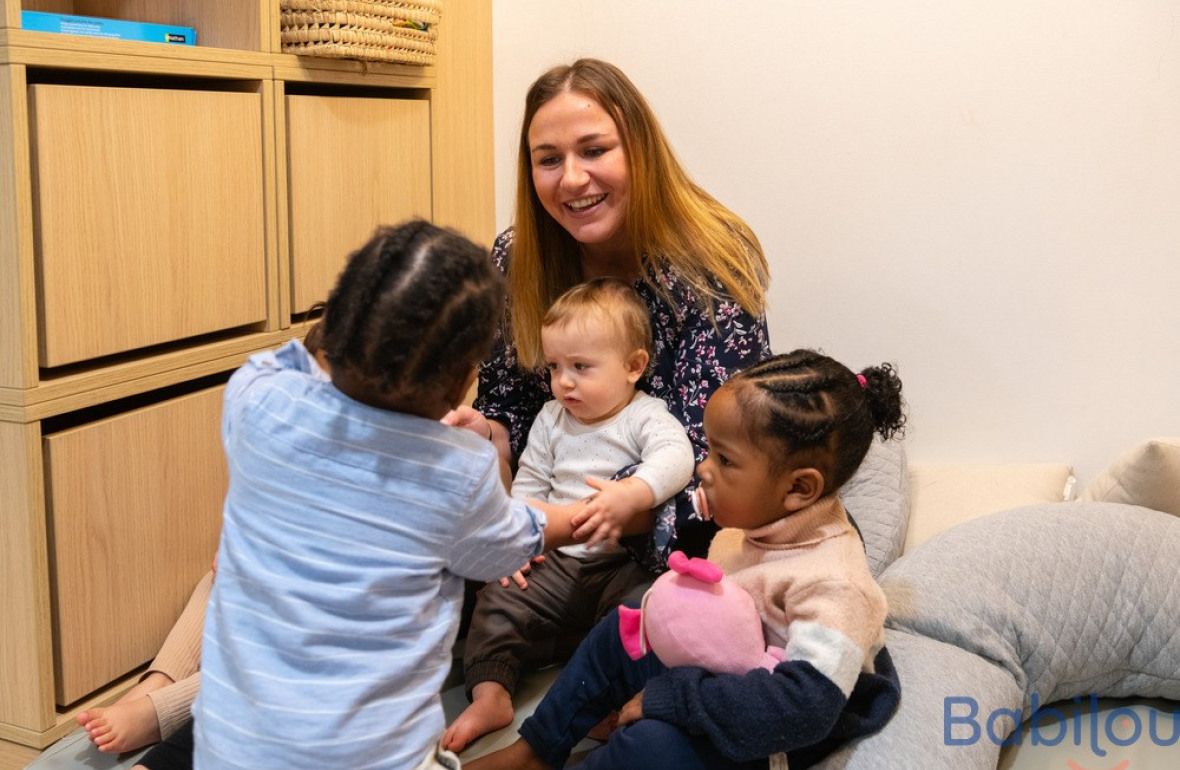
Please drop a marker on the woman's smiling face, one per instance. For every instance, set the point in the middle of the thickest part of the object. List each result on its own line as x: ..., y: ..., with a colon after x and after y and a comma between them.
x: 579, y: 170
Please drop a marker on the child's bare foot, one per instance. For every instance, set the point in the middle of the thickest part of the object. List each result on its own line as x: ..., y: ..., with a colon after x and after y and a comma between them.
x: 123, y: 726
x: 103, y: 722
x: 518, y: 756
x: 490, y: 709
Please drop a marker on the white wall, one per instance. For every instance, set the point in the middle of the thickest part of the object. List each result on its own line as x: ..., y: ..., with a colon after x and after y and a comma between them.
x: 986, y: 193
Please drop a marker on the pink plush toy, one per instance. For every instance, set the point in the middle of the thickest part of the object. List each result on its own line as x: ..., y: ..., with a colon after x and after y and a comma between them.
x: 695, y: 616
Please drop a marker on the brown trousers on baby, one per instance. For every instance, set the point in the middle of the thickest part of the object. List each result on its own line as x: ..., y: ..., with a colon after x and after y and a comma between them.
x: 542, y: 624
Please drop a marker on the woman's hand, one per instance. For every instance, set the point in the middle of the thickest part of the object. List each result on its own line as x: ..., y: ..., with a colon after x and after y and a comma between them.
x: 467, y: 418
x: 632, y: 710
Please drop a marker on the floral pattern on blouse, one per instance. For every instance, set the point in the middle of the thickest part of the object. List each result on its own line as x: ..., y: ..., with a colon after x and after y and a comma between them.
x: 692, y: 357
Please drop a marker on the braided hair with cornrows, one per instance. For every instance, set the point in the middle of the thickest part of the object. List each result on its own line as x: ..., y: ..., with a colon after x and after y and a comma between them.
x: 819, y: 411
x: 415, y: 309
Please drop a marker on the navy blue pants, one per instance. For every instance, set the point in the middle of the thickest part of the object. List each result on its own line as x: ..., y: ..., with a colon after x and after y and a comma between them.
x: 598, y: 679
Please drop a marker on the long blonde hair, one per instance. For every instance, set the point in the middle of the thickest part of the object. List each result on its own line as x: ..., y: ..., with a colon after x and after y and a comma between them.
x: 672, y: 222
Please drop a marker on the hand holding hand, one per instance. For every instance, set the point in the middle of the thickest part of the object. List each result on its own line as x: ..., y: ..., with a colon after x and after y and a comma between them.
x: 610, y: 508
x: 469, y: 419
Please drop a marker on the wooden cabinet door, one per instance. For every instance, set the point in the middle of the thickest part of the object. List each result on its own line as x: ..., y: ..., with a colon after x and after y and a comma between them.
x: 150, y: 218
x: 352, y: 164
x: 134, y: 509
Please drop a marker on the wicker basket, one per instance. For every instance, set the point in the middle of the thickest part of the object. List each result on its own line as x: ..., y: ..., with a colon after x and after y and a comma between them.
x: 376, y: 30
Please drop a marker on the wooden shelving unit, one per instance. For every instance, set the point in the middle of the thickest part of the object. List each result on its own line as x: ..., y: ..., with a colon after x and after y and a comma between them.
x: 165, y: 211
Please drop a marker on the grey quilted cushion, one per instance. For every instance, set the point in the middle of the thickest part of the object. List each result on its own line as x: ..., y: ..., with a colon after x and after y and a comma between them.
x: 1070, y: 598
x: 877, y: 497
x: 931, y: 671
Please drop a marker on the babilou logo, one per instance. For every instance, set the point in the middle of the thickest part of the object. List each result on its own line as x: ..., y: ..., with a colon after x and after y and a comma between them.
x: 962, y: 725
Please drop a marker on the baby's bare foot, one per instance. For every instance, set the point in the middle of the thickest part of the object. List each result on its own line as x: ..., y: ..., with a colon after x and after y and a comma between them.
x: 490, y: 709
x: 124, y: 726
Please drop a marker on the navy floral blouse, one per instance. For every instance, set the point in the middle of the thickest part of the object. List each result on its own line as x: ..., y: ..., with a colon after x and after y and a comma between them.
x: 692, y: 358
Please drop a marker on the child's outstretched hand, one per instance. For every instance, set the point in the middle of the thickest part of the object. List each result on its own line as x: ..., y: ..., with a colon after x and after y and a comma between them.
x: 632, y: 710
x: 518, y: 577
x: 469, y: 419
x: 610, y: 508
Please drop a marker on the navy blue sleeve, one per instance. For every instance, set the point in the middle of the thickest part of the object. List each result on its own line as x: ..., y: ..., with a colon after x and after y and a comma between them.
x: 748, y: 716
x: 794, y: 709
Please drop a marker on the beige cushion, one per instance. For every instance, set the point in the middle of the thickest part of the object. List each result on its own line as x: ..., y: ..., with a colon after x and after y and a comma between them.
x: 943, y: 495
x: 1147, y: 475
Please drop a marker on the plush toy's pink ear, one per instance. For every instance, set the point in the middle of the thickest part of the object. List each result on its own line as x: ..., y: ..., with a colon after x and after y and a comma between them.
x: 678, y: 562
x: 630, y: 630
x: 701, y: 569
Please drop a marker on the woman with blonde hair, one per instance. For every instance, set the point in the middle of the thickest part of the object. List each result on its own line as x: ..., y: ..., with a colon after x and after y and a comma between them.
x: 600, y: 193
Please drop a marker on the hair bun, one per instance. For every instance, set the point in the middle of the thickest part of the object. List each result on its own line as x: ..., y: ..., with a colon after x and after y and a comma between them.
x: 882, y: 389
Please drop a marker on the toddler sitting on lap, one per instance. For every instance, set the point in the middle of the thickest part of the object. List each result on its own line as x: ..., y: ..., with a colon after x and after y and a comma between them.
x: 596, y: 338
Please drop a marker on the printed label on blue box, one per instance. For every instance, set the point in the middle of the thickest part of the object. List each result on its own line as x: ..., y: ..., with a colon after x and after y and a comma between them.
x: 117, y: 29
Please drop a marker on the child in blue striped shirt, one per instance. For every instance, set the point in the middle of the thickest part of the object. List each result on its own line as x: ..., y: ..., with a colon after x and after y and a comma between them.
x: 353, y: 516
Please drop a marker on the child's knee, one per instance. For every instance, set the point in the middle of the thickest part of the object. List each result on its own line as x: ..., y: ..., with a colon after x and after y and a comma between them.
x: 653, y: 745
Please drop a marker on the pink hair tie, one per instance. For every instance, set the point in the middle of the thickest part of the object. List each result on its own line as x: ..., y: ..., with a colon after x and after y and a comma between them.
x: 864, y: 383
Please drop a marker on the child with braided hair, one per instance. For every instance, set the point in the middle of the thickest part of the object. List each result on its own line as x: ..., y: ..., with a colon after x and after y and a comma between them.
x: 352, y: 517
x: 783, y: 435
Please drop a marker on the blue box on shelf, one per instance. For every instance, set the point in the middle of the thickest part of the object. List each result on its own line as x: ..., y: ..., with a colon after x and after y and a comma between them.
x: 117, y: 29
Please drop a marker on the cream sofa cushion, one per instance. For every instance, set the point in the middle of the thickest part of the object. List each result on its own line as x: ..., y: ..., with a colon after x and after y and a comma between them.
x: 943, y: 495
x: 1147, y: 475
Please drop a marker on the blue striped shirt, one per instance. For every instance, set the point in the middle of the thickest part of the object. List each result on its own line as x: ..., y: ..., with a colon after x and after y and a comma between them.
x: 347, y: 533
